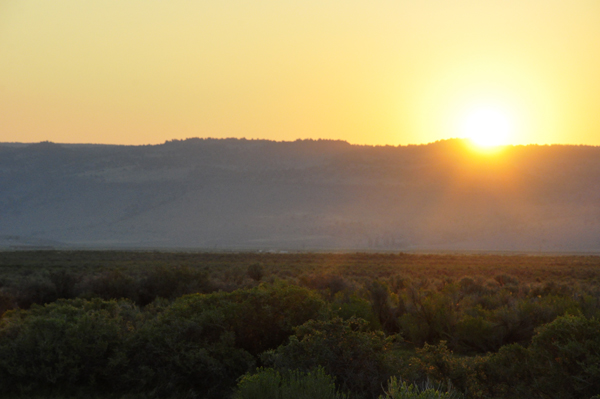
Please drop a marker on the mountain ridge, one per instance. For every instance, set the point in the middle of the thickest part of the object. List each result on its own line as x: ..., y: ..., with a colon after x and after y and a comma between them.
x: 301, y: 195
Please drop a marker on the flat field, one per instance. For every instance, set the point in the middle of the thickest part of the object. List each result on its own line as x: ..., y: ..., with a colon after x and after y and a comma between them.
x: 528, y: 268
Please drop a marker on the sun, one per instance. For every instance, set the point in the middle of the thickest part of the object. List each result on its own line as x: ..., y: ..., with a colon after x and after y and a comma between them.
x: 487, y: 126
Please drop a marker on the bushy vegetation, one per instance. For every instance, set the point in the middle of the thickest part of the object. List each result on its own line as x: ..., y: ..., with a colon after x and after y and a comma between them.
x: 162, y: 325
x: 402, y: 390
x: 272, y: 384
x: 355, y: 357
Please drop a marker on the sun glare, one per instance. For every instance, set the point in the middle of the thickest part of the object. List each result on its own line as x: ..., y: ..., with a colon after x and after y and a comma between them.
x: 487, y: 126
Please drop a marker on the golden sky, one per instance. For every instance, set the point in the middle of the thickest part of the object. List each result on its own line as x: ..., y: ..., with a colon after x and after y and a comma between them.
x: 369, y: 72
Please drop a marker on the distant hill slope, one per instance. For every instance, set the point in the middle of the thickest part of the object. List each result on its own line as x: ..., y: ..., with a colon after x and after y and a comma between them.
x: 257, y: 194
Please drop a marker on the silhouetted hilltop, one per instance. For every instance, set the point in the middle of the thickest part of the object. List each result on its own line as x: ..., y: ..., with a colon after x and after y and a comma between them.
x: 306, y: 194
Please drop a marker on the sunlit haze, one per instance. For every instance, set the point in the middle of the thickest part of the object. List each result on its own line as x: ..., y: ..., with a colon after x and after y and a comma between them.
x: 382, y: 72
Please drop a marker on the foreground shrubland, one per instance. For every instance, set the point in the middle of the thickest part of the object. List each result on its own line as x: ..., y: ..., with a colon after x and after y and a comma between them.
x: 254, y: 330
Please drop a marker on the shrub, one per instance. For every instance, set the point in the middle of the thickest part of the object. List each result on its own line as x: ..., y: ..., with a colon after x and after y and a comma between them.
x: 551, y: 288
x: 330, y: 283
x: 475, y: 333
x: 272, y: 384
x: 347, y: 306
x: 405, y: 391
x: 172, y: 282
x: 113, y: 284
x: 66, y: 344
x: 517, y: 323
x: 34, y: 290
x: 563, y: 361
x: 382, y: 307
x: 261, y: 318
x: 437, y: 362
x: 398, y: 282
x: 185, y: 350
x: 6, y: 303
x: 64, y: 283
x: 355, y: 357
x: 255, y: 271
x: 505, y: 279
x: 509, y: 373
x: 567, y: 355
x: 203, y: 343
x: 430, y: 317
x: 469, y: 286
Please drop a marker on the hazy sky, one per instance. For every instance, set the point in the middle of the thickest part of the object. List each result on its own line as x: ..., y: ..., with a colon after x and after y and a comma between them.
x: 369, y: 72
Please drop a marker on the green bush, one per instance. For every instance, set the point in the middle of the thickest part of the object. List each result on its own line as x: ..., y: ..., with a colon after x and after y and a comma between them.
x: 566, y: 353
x: 37, y: 289
x: 468, y: 286
x: 476, y: 334
x: 347, y: 306
x: 272, y: 384
x: 113, y: 284
x: 256, y: 271
x: 64, y: 283
x: 438, y: 363
x: 66, y: 344
x: 355, y: 357
x: 328, y: 284
x: 505, y: 279
x: 184, y: 350
x: 172, y: 282
x: 7, y: 302
x: 260, y: 318
x: 517, y: 323
x: 405, y: 391
x: 202, y: 343
x: 563, y: 361
x: 430, y: 317
x: 382, y: 306
x: 509, y: 374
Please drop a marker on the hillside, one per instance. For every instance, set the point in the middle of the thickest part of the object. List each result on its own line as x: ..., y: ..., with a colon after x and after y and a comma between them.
x: 302, y: 195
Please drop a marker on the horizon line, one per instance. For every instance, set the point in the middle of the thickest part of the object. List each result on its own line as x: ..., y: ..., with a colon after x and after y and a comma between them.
x: 466, y: 140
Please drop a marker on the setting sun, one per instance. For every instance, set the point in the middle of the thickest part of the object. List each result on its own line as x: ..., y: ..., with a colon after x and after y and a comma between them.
x: 487, y: 126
